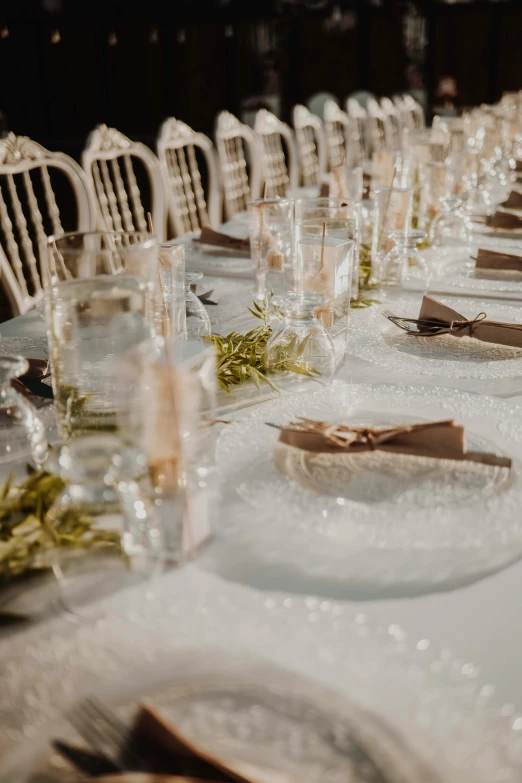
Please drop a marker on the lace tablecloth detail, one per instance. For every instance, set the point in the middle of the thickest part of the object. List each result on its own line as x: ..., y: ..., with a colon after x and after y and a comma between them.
x: 437, y: 703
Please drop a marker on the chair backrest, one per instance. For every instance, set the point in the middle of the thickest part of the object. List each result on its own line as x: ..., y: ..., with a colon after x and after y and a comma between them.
x: 236, y: 143
x: 359, y: 114
x: 393, y: 125
x: 336, y: 128
x: 343, y: 138
x: 29, y: 213
x: 311, y: 145
x: 189, y: 207
x: 378, y: 134
x: 417, y: 111
x: 109, y: 162
x: 280, y: 172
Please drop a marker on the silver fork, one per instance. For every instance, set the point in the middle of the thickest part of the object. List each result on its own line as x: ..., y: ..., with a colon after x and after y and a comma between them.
x: 429, y: 327
x: 105, y: 733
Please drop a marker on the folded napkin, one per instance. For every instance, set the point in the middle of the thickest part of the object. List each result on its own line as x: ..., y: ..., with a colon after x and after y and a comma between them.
x: 490, y: 259
x: 153, y: 736
x: 504, y: 220
x: 209, y: 236
x: 146, y: 777
x: 436, y: 318
x: 514, y: 201
x: 436, y: 439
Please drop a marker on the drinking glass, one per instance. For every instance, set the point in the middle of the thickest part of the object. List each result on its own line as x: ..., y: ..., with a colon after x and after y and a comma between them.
x: 197, y: 319
x: 270, y: 229
x: 404, y: 260
x: 22, y: 434
x: 171, y: 309
x: 392, y: 211
x: 300, y: 338
x: 100, y: 300
x: 168, y: 416
x: 86, y: 524
x: 336, y: 218
x: 325, y: 268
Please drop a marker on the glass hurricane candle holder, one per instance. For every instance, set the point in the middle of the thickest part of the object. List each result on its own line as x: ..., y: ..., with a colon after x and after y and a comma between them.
x: 325, y: 269
x: 270, y: 229
x: 170, y: 309
x: 336, y: 218
x: 392, y: 211
x: 168, y: 416
x: 100, y: 290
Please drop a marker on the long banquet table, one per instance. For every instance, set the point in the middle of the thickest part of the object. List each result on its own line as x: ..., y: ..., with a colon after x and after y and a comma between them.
x: 479, y: 623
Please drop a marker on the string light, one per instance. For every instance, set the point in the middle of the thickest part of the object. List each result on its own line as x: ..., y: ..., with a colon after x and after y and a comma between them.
x: 113, y: 39
x: 56, y: 37
x: 4, y: 32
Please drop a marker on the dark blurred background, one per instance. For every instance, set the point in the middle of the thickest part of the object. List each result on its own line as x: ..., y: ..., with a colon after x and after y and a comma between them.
x: 70, y: 64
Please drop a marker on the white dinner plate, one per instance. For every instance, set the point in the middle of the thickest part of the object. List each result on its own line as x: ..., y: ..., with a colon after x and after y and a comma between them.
x: 370, y: 527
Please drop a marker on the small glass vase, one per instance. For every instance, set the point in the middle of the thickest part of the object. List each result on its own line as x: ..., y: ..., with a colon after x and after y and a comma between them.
x: 197, y: 318
x: 404, y: 260
x: 22, y: 433
x: 300, y: 343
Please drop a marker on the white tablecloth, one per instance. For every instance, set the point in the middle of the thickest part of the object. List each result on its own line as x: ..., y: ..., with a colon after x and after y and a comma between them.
x: 478, y: 623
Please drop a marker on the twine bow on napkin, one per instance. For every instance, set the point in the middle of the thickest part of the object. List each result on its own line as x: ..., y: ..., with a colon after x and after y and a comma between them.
x: 435, y: 439
x: 436, y: 318
x: 209, y: 236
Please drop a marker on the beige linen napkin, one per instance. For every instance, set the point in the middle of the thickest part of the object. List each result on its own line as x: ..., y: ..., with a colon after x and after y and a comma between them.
x: 209, y: 236
x: 436, y: 439
x: 514, y: 201
x: 457, y: 325
x: 491, y: 259
x: 504, y: 220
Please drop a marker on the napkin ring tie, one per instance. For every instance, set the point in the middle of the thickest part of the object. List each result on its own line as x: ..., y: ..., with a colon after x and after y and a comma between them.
x: 457, y: 326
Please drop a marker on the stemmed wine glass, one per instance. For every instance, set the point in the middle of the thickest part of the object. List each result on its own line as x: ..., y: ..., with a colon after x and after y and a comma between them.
x: 404, y: 257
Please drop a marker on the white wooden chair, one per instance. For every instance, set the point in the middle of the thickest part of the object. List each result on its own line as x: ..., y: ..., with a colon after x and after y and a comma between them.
x: 311, y: 145
x: 359, y: 114
x: 189, y: 207
x: 280, y: 172
x: 343, y: 139
x: 235, y: 144
x: 108, y: 161
x: 29, y: 213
